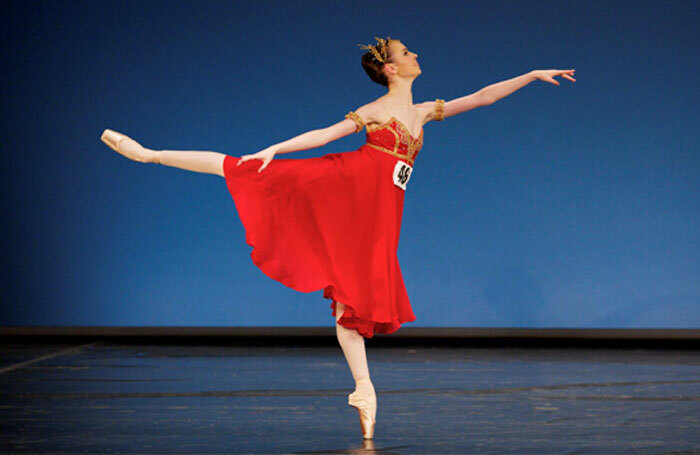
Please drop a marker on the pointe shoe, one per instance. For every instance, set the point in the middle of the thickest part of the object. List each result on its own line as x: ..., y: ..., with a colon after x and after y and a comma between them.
x: 130, y: 148
x: 367, y: 409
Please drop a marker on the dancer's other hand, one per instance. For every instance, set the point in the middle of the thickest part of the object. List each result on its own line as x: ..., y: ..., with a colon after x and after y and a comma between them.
x: 548, y: 75
x: 264, y: 155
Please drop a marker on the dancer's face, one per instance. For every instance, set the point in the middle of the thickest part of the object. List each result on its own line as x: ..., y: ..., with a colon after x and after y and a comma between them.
x: 404, y: 61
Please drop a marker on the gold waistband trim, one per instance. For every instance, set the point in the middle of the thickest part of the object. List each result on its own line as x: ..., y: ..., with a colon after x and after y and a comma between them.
x: 390, y: 152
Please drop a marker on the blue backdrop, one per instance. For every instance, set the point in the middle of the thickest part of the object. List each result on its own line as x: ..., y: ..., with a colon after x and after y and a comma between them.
x: 558, y: 206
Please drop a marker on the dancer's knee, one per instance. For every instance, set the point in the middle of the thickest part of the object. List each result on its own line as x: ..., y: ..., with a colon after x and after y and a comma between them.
x: 339, y: 309
x: 345, y: 334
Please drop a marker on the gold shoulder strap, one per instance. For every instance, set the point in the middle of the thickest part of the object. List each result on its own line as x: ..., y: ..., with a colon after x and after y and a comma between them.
x: 356, y: 118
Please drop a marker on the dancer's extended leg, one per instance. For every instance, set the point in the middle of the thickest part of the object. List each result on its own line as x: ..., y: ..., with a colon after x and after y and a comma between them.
x: 196, y: 161
x: 207, y: 162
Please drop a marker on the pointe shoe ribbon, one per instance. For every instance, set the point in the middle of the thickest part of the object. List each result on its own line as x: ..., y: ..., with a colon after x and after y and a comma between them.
x: 367, y: 409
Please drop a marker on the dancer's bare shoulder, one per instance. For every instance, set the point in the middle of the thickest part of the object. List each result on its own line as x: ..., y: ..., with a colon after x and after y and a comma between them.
x: 372, y: 112
x: 375, y: 112
x: 426, y: 111
x: 353, y: 123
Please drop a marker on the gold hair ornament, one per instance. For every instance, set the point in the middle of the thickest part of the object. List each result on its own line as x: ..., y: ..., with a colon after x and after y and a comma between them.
x: 378, y: 50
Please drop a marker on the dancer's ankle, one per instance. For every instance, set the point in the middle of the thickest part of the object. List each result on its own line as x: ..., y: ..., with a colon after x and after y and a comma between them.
x: 364, y: 385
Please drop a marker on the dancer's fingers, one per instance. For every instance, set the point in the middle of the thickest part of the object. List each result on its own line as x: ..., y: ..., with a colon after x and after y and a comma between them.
x: 243, y: 159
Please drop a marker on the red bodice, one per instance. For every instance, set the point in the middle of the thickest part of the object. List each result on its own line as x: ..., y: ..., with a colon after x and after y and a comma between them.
x: 394, y: 138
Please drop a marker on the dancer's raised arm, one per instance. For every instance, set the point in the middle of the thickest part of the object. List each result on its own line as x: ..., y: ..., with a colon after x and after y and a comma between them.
x: 494, y: 92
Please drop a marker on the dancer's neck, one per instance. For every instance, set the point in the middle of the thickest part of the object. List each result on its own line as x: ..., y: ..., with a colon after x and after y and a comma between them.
x: 400, y: 92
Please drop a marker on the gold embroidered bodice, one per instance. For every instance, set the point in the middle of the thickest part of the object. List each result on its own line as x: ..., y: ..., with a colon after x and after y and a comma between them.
x: 393, y: 137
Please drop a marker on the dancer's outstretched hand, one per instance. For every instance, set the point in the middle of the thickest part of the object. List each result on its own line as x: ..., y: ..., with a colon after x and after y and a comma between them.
x: 548, y: 75
x: 264, y: 155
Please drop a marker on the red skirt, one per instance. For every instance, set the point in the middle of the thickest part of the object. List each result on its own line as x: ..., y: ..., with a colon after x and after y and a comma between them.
x: 330, y: 223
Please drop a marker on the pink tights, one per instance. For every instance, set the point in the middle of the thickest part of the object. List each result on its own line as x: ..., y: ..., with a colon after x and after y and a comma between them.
x: 353, y: 346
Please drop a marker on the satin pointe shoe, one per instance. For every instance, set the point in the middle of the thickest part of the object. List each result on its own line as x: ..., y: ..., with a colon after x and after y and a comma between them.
x: 367, y: 409
x: 126, y: 146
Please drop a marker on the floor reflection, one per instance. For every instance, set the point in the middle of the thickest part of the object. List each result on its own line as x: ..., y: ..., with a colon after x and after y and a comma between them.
x: 368, y: 447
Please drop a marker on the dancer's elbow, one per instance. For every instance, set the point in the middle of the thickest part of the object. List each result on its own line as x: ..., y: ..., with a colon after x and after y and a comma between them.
x: 337, y: 131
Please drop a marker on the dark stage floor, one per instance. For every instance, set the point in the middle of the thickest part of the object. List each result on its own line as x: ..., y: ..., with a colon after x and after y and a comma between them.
x: 110, y: 398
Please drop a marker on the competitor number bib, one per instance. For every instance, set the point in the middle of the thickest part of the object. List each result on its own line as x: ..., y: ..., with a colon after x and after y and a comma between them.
x: 402, y: 172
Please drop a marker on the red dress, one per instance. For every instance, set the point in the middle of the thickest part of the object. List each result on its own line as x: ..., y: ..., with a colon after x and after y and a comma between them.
x: 333, y: 223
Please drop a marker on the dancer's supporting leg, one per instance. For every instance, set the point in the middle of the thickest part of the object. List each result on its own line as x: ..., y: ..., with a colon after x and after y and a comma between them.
x: 353, y: 345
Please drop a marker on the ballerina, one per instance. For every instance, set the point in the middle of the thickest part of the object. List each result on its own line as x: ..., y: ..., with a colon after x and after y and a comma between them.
x: 333, y: 222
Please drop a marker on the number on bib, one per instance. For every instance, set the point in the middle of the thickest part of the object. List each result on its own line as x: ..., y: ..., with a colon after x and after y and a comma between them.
x: 402, y: 173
